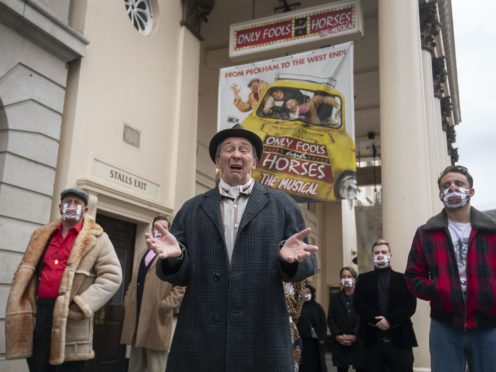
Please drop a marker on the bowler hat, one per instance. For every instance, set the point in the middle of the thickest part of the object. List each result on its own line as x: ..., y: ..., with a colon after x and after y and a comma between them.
x: 77, y: 192
x: 217, y: 139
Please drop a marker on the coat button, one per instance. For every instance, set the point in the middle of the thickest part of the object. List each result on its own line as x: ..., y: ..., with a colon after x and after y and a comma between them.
x: 216, y: 277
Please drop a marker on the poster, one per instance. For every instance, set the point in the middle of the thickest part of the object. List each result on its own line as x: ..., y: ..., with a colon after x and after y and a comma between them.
x: 301, y: 106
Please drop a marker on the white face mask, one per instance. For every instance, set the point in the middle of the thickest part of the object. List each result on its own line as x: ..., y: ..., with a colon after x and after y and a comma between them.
x: 381, y: 261
x: 456, y: 199
x: 71, y: 212
x: 347, y: 282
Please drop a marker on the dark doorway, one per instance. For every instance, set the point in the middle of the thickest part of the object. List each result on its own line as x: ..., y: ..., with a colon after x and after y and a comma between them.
x: 110, y: 354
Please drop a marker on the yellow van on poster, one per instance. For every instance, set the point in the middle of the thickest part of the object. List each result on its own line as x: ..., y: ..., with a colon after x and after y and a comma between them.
x: 307, y: 151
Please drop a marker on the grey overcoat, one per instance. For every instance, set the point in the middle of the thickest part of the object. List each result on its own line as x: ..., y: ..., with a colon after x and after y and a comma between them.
x: 234, y: 316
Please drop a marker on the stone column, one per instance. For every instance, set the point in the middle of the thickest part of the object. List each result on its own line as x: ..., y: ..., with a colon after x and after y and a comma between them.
x: 430, y: 126
x: 430, y: 28
x: 185, y: 124
x: 406, y: 179
x: 195, y: 13
x: 332, y: 255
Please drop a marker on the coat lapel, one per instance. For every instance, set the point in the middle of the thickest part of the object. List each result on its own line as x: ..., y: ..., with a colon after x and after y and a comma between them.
x: 256, y: 202
x: 38, y: 243
x: 211, y: 206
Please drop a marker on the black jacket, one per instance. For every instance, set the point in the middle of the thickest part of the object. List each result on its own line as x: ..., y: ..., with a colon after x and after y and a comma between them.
x: 401, y: 306
x: 312, y: 316
x: 340, y: 322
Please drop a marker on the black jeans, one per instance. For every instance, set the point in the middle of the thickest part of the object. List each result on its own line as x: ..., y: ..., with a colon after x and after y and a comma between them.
x: 38, y: 362
x: 384, y: 357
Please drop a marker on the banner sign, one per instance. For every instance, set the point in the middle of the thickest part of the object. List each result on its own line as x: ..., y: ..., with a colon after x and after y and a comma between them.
x: 301, y: 106
x: 302, y: 26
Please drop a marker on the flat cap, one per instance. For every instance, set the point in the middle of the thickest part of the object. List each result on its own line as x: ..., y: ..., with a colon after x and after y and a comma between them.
x: 77, y: 192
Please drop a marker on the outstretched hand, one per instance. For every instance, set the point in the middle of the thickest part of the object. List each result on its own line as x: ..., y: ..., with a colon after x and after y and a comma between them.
x: 165, y: 246
x: 295, y: 249
x: 236, y: 89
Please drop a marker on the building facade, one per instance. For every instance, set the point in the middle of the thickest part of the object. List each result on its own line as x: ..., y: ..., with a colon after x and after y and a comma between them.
x: 120, y: 98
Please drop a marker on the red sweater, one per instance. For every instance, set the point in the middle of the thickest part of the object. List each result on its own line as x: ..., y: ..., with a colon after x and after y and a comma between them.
x: 55, y: 261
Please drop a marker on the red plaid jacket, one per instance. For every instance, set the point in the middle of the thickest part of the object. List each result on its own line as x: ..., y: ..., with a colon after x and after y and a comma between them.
x: 432, y: 273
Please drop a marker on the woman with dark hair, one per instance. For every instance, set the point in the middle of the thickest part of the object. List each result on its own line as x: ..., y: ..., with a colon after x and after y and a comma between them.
x: 312, y: 328
x: 343, y: 323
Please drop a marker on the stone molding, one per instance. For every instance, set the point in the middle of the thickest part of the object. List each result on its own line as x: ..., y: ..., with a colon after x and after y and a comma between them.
x: 194, y: 13
x: 436, y: 24
x: 43, y: 29
x: 446, y: 111
x: 439, y: 74
x: 429, y: 25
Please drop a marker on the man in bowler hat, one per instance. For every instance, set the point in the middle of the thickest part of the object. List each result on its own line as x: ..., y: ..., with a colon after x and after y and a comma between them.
x: 233, y: 247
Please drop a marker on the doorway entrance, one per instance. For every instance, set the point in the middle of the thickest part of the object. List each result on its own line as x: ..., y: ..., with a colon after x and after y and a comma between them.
x: 110, y: 354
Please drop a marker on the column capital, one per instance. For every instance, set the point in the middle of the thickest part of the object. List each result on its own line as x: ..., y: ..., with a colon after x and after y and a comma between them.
x: 429, y: 25
x: 449, y: 129
x: 446, y: 111
x: 453, y: 153
x: 194, y: 13
x: 439, y: 74
x: 450, y: 135
x: 450, y: 139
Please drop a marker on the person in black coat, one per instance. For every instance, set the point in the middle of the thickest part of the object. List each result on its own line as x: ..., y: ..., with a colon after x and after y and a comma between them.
x: 385, y: 306
x: 313, y: 329
x: 232, y: 247
x: 344, y: 322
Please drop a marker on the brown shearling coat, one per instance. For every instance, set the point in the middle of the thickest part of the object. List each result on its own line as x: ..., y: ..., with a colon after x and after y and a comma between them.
x: 92, y: 276
x: 153, y: 329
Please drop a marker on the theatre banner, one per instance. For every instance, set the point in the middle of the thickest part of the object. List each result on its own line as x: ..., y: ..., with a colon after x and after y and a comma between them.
x: 301, y: 106
x: 336, y: 22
